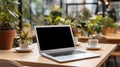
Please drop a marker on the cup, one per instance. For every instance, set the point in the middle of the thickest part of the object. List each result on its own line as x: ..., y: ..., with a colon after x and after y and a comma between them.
x: 76, y: 39
x: 93, y: 43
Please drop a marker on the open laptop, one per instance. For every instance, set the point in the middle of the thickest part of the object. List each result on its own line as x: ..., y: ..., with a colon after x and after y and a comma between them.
x: 56, y: 42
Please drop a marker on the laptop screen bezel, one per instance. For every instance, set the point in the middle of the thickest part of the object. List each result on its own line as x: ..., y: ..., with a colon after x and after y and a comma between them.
x: 54, y: 50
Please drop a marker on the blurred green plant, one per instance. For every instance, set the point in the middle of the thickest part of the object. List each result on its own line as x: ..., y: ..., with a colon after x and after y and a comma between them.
x: 54, y: 18
x: 98, y: 23
x: 9, y: 14
x: 25, y: 33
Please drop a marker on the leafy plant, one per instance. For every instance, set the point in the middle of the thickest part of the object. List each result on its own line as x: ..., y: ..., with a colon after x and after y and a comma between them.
x: 24, y: 38
x: 106, y: 21
x: 53, y: 18
x: 98, y: 23
x: 24, y: 35
x: 9, y: 14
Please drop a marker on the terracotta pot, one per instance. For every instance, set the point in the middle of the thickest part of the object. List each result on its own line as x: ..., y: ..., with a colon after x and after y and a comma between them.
x: 109, y: 30
x: 6, y: 39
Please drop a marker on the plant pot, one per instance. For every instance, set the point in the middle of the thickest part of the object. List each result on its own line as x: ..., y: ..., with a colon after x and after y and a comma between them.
x: 6, y: 39
x: 109, y: 30
x: 23, y: 44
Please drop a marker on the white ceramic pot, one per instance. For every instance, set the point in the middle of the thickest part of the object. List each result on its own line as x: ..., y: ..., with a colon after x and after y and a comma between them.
x: 23, y: 44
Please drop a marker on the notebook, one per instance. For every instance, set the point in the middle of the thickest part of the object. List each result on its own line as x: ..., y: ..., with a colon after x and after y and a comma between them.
x: 56, y: 42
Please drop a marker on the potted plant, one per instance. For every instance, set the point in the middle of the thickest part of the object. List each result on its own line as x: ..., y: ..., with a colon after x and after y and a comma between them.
x: 9, y: 16
x: 109, y: 25
x: 95, y: 26
x: 103, y: 24
x: 25, y: 37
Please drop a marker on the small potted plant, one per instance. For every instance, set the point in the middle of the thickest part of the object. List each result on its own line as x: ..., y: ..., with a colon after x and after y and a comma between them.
x: 23, y: 40
x: 9, y: 18
x: 25, y: 36
x: 76, y: 33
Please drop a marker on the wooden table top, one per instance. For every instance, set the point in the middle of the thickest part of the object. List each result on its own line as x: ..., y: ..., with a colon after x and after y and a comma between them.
x: 115, y: 36
x: 112, y: 38
x: 36, y: 60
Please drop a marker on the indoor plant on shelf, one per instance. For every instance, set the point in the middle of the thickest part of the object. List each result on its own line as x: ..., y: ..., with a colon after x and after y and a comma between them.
x: 9, y: 16
x: 23, y: 39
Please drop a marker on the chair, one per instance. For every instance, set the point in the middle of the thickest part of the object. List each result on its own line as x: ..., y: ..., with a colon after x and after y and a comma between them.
x: 9, y: 63
x: 115, y: 54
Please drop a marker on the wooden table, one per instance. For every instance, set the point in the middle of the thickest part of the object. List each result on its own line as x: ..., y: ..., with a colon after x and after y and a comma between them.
x: 36, y: 60
x: 111, y: 38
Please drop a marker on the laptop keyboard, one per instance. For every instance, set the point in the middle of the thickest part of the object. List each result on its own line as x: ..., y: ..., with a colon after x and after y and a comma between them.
x: 65, y: 53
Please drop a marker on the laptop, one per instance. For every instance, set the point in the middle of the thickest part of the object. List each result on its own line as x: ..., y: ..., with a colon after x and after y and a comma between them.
x: 56, y: 42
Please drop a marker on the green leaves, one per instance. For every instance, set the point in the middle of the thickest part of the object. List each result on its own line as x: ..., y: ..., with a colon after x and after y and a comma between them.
x: 13, y: 14
x: 24, y: 35
x: 9, y: 14
x: 99, y: 22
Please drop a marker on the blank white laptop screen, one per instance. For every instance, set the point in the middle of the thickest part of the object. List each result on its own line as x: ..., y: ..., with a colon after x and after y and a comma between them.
x: 56, y: 42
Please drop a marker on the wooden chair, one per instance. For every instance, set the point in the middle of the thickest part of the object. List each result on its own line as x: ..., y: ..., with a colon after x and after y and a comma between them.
x: 116, y: 54
x: 9, y: 63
